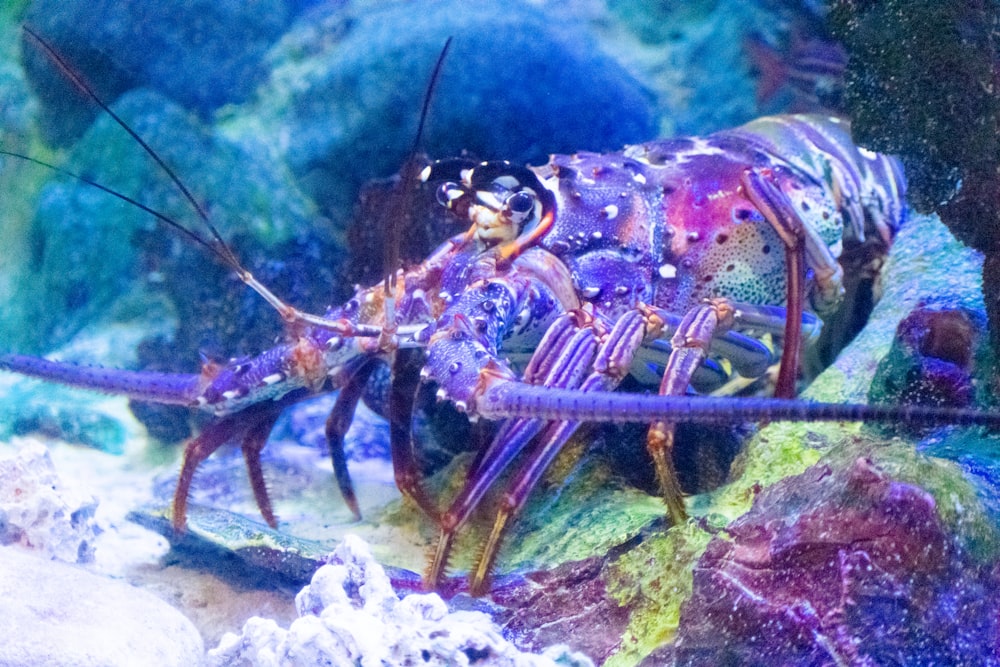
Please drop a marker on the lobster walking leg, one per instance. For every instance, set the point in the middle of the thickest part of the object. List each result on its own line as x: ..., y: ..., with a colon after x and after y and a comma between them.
x: 803, y: 249
x: 611, y: 365
x: 572, y: 336
x: 402, y: 391
x: 251, y: 427
x: 337, y: 424
x: 690, y: 345
x: 778, y: 211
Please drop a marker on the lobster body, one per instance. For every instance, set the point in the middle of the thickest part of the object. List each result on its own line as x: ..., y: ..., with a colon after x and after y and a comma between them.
x: 669, y: 223
x: 570, y: 276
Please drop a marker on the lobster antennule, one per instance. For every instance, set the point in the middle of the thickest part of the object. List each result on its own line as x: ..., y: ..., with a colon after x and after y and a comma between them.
x: 504, y: 399
x: 168, y: 388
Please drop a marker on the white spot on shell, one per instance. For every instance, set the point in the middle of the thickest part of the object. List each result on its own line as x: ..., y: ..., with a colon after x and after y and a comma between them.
x: 667, y: 271
x: 425, y: 173
x: 273, y: 378
x: 441, y: 394
x: 639, y: 178
x: 610, y: 211
x: 590, y: 292
x: 230, y: 395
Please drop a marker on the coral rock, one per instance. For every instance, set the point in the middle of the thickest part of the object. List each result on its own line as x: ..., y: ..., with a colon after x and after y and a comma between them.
x: 39, y: 511
x: 839, y: 567
x: 349, y: 614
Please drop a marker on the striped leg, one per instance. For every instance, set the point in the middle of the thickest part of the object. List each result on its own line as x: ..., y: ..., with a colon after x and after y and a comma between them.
x: 690, y: 345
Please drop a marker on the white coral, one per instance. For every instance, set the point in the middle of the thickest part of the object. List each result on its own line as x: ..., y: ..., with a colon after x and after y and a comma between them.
x: 350, y: 615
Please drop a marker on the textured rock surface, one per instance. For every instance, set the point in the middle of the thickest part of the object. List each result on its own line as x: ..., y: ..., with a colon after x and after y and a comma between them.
x: 39, y: 511
x: 840, y: 566
x: 349, y: 614
x: 119, y: 46
x: 58, y: 614
x: 347, y: 86
x: 933, y: 358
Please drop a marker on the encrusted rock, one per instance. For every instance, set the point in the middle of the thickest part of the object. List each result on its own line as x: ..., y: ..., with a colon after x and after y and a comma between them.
x: 41, y: 512
x: 199, y: 52
x: 840, y: 566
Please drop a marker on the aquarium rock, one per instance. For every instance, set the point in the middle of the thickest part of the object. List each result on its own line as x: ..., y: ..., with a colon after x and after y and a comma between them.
x: 350, y: 615
x: 347, y: 84
x: 39, y: 511
x: 59, y: 614
x: 840, y: 565
x: 164, y: 46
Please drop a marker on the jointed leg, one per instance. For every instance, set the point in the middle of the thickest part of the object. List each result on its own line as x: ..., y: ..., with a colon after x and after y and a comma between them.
x: 561, y: 359
x: 803, y: 248
x: 690, y: 345
x: 402, y: 392
x: 252, y: 427
x: 611, y: 364
x: 337, y: 424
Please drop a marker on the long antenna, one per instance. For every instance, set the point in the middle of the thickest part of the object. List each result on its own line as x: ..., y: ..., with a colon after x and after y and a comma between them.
x: 216, y: 244
x: 173, y: 224
x: 223, y: 251
x: 400, y: 200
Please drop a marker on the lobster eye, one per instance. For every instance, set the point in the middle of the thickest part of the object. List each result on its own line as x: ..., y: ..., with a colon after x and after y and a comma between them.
x: 448, y: 193
x: 521, y: 202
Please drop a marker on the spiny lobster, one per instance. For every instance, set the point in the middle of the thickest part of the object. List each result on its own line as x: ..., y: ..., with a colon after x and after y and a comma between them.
x: 657, y: 261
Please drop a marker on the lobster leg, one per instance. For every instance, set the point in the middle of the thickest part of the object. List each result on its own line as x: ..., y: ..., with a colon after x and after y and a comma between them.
x: 611, y: 365
x: 561, y: 359
x: 802, y: 247
x: 251, y: 427
x: 690, y: 345
x: 337, y: 424
x: 563, y: 334
x: 777, y: 210
x: 402, y: 391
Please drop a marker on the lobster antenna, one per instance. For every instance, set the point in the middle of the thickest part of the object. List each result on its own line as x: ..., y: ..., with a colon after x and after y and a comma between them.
x: 191, y: 234
x: 402, y: 194
x: 216, y: 244
x: 219, y: 247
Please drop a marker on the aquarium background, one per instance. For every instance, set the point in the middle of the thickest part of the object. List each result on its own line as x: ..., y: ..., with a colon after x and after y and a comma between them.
x: 808, y: 545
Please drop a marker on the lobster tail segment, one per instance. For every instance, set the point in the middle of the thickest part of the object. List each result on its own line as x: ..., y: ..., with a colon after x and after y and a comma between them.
x: 169, y: 388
